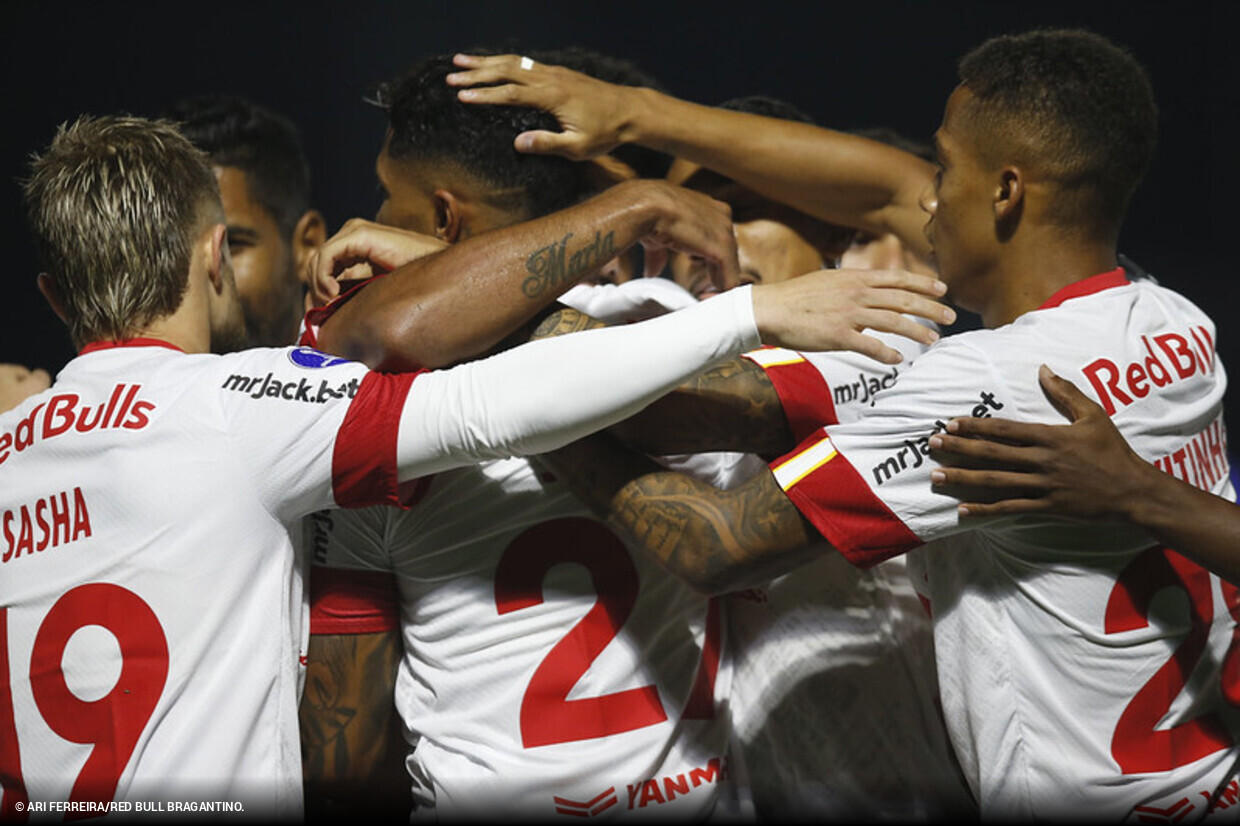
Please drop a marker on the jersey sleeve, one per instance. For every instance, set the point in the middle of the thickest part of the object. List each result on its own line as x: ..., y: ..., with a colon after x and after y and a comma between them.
x: 304, y: 418
x: 544, y: 394
x: 821, y: 389
x: 315, y: 430
x: 865, y: 484
x: 345, y: 601
x: 352, y: 588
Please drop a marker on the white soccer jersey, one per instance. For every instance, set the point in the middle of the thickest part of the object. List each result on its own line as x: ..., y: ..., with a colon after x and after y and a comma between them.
x: 547, y: 671
x: 1084, y: 673
x: 151, y: 618
x: 877, y: 749
x: 122, y: 478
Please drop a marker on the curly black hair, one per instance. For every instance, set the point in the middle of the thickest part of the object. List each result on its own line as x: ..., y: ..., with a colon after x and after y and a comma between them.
x: 428, y: 124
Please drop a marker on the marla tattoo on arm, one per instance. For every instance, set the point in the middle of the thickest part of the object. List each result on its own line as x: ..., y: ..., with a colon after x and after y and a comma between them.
x: 552, y: 265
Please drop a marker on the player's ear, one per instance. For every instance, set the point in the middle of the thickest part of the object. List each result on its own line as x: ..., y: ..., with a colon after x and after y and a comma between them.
x: 309, y: 234
x: 217, y: 255
x: 449, y: 215
x: 1009, y: 199
x: 1009, y: 192
x: 51, y: 293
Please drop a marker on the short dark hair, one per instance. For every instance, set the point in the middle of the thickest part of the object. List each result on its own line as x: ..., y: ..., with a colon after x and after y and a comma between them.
x: 646, y: 162
x: 428, y: 124
x: 1077, y: 106
x: 264, y: 145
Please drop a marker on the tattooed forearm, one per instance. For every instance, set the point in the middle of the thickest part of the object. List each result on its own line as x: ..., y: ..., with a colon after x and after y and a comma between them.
x: 352, y: 750
x: 553, y: 265
x: 715, y: 540
x: 733, y: 406
x: 718, y: 541
x: 564, y: 320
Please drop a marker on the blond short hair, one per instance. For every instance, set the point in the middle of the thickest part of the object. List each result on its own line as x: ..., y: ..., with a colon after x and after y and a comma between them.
x: 115, y: 204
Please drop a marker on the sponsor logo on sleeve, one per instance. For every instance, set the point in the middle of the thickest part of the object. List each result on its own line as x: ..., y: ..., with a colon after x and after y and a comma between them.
x: 912, y: 453
x: 306, y: 392
x: 312, y: 359
x: 864, y: 389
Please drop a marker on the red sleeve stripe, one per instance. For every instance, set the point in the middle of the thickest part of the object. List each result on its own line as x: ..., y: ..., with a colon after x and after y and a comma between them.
x: 803, y: 392
x: 364, y: 461
x: 345, y: 601
x: 829, y: 492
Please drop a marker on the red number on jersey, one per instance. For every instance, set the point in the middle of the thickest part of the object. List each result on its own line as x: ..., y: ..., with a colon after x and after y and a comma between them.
x: 701, y: 704
x: 547, y: 715
x: 11, y: 782
x: 113, y: 723
x: 1138, y: 744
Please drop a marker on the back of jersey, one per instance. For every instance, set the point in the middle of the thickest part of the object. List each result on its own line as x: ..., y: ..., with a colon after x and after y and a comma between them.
x: 150, y: 594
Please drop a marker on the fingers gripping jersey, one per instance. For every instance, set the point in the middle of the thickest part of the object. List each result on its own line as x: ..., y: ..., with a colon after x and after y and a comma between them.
x: 546, y: 671
x: 1084, y: 673
x: 151, y: 617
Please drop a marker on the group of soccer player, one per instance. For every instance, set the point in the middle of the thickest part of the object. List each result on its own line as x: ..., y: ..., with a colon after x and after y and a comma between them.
x: 618, y: 466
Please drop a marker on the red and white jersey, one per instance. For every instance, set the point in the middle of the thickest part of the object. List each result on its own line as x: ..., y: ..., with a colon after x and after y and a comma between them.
x: 547, y: 671
x: 151, y: 614
x: 1084, y: 672
x: 879, y: 749
x: 818, y: 389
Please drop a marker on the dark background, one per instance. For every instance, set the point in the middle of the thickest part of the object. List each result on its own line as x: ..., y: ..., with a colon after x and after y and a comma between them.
x: 849, y: 65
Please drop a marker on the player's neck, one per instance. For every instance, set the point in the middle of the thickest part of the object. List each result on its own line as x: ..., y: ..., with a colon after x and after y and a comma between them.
x: 1028, y: 277
x: 189, y: 326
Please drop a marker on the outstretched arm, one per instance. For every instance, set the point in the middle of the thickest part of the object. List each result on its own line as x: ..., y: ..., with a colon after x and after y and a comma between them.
x: 716, y: 541
x: 733, y: 406
x: 840, y: 178
x: 545, y: 394
x: 1085, y: 470
x: 459, y: 302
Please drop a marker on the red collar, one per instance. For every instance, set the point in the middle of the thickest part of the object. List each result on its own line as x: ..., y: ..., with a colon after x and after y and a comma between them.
x: 1089, y: 286
x: 129, y: 342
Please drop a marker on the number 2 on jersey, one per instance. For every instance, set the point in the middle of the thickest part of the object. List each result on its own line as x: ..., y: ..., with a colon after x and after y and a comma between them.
x: 548, y: 716
x: 113, y: 723
x: 1139, y: 744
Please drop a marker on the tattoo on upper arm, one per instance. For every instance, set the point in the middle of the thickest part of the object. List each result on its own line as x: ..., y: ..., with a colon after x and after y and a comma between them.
x: 553, y: 265
x: 732, y: 406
